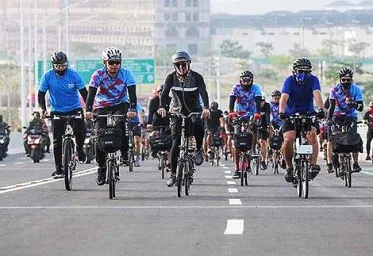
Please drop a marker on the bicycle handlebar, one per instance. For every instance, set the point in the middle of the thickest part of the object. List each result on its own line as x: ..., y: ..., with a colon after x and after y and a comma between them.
x: 178, y: 114
x: 65, y: 117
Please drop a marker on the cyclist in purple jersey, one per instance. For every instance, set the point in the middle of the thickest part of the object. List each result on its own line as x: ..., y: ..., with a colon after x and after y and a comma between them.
x: 298, y: 94
x: 112, y: 89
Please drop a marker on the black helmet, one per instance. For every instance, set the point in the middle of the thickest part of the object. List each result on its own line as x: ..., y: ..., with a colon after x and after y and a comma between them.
x: 181, y: 56
x: 247, y: 74
x: 214, y: 105
x: 276, y: 93
x: 345, y: 72
x: 59, y: 58
x: 302, y: 62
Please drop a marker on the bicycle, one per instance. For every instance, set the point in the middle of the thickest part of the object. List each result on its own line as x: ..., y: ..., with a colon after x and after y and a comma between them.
x: 215, y: 149
x: 110, y: 141
x: 343, y: 153
x: 131, y: 151
x: 302, y: 152
x: 275, y: 143
x: 185, y: 167
x: 162, y: 145
x: 69, y: 156
x: 243, y: 144
x: 256, y: 153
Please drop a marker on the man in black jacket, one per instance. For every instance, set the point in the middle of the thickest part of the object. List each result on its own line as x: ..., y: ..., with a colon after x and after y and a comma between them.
x: 187, y: 87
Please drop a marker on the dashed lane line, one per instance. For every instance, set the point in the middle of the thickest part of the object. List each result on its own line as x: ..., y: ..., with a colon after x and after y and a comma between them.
x: 227, y: 172
x: 228, y: 176
x: 234, y: 227
x: 235, y: 201
x: 231, y: 182
x: 232, y: 190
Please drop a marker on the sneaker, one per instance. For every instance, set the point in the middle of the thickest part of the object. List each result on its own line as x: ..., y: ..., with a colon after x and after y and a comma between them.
x: 168, y: 167
x: 198, y: 157
x: 356, y: 167
x: 101, y: 176
x: 57, y: 174
x: 236, y: 174
x: 289, y: 174
x: 82, y: 157
x: 368, y: 157
x: 263, y: 166
x: 283, y: 164
x: 314, y: 171
x: 124, y: 161
x: 330, y: 168
x: 172, y: 180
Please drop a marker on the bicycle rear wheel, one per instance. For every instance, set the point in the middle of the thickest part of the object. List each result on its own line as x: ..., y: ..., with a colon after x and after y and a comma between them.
x: 162, y: 165
x: 348, y: 173
x: 131, y: 160
x: 257, y: 166
x: 67, y: 165
x: 179, y: 178
x: 187, y: 179
x: 111, y: 179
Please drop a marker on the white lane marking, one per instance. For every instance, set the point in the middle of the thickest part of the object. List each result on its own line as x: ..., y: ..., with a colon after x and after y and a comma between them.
x: 234, y: 227
x: 2, y: 165
x: 234, y: 201
x: 46, y: 160
x: 225, y: 168
x: 180, y: 207
x: 222, y: 165
x: 228, y: 172
x: 231, y: 182
x: 228, y: 176
x: 18, y: 163
x: 35, y: 183
x: 232, y: 190
x: 369, y: 173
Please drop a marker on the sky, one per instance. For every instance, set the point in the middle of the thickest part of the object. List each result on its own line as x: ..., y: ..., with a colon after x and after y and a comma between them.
x: 249, y: 7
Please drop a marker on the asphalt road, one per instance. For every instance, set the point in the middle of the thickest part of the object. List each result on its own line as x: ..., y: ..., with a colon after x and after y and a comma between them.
x: 39, y: 217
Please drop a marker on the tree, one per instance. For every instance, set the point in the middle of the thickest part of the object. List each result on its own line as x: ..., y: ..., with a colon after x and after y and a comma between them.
x: 232, y: 49
x: 331, y: 72
x: 282, y: 62
x: 265, y: 48
x: 297, y: 51
x: 326, y: 52
x: 357, y: 48
x: 268, y: 74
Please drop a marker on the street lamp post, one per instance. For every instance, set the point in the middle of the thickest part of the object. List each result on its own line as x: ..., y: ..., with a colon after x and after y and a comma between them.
x: 22, y: 51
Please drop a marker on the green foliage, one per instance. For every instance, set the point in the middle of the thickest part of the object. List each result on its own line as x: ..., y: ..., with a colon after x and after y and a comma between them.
x: 232, y: 49
x: 326, y: 53
x: 331, y: 72
x: 269, y: 74
x: 265, y: 48
x: 282, y: 61
x: 297, y: 51
x: 357, y: 48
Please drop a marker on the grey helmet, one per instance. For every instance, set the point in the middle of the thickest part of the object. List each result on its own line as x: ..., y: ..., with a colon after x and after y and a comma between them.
x: 181, y: 56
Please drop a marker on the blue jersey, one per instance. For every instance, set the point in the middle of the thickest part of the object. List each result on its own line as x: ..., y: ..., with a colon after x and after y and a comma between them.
x: 63, y: 90
x: 245, y: 99
x: 136, y: 119
x: 300, y: 95
x: 275, y: 111
x: 111, y: 91
x: 341, y: 107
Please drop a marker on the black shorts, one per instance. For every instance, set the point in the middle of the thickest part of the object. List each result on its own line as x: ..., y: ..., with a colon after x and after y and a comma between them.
x: 289, y: 126
x: 263, y: 133
x: 136, y: 129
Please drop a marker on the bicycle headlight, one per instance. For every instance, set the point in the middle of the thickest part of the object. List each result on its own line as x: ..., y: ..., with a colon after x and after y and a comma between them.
x: 2, y: 140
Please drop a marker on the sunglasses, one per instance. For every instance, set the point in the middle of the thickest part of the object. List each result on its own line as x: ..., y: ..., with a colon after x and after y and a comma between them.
x: 301, y: 71
x: 60, y: 66
x: 346, y: 80
x: 112, y: 62
x: 276, y: 98
x: 181, y: 64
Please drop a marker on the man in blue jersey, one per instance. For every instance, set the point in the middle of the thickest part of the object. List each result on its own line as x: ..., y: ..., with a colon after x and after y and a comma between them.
x: 245, y: 99
x: 276, y: 122
x: 63, y: 84
x: 112, y: 89
x: 345, y: 100
x: 298, y: 94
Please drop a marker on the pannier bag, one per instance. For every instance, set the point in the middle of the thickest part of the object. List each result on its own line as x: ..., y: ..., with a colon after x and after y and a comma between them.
x: 161, y: 143
x: 275, y: 142
x: 109, y: 140
x: 347, y: 143
x: 243, y: 141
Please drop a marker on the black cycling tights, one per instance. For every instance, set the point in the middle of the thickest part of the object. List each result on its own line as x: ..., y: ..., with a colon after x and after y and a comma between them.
x: 369, y: 140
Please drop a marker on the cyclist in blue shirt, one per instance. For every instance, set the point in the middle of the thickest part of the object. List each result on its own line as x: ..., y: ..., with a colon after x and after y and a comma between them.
x: 135, y: 125
x: 345, y: 100
x: 276, y: 122
x: 245, y: 100
x: 298, y: 94
x: 63, y: 84
x: 112, y: 89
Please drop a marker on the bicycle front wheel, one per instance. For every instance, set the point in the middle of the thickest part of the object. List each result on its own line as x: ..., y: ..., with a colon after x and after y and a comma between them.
x: 348, y: 173
x: 305, y: 179
x: 111, y: 179
x: 179, y: 178
x: 68, y: 150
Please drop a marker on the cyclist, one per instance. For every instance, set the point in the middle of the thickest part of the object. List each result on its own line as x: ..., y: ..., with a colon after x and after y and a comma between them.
x: 276, y: 122
x: 135, y: 126
x: 345, y: 99
x: 265, y: 111
x: 112, y: 89
x: 298, y: 94
x: 38, y: 124
x: 186, y: 87
x: 63, y: 84
x: 214, y: 124
x: 229, y: 131
x: 245, y: 98
x: 368, y: 118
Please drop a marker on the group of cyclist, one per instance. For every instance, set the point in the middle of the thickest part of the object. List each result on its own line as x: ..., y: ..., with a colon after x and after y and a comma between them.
x: 112, y: 90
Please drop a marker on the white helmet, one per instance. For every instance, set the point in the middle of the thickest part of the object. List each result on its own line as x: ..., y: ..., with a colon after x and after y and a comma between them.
x: 264, y: 96
x: 111, y: 53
